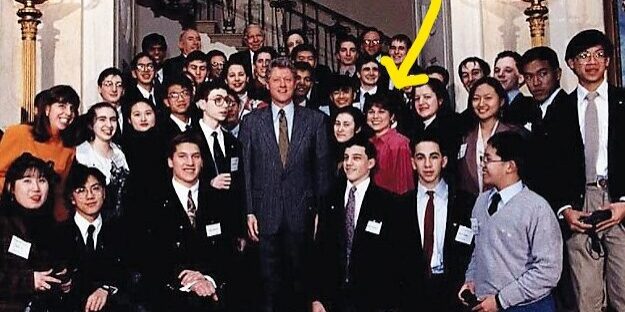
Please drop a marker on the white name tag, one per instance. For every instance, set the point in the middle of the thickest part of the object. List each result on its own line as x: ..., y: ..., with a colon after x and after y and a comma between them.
x: 462, y: 151
x: 464, y: 235
x: 475, y: 226
x: 19, y: 247
x: 374, y: 227
x: 528, y: 126
x: 213, y: 229
x: 234, y: 164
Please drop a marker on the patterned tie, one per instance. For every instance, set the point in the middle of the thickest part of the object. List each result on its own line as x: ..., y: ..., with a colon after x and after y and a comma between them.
x: 494, y: 202
x: 283, y: 137
x: 90, y: 244
x: 350, y: 211
x: 591, y: 137
x: 428, y: 232
x: 191, y: 209
x: 218, y: 155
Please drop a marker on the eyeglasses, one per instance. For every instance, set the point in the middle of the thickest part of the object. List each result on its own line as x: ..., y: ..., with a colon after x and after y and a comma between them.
x: 486, y: 160
x: 217, y: 64
x: 110, y: 84
x: 372, y: 41
x: 178, y: 95
x: 95, y: 189
x: 220, y: 101
x: 586, y: 55
x: 145, y: 67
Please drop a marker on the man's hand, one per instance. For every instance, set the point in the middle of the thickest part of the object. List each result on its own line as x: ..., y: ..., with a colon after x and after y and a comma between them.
x: 188, y: 276
x: 618, y: 213
x: 488, y: 304
x: 204, y: 288
x: 240, y: 244
x: 221, y: 181
x: 318, y: 307
x: 252, y: 227
x: 572, y: 218
x: 43, y: 280
x: 96, y: 300
x: 468, y: 285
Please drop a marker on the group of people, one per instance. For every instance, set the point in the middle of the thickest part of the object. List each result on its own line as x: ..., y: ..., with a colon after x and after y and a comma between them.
x: 260, y: 182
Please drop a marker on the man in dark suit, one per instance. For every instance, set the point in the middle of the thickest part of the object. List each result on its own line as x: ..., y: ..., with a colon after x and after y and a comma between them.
x: 286, y: 164
x: 437, y: 247
x: 254, y: 39
x: 355, y: 259
x: 587, y: 144
x: 321, y: 73
x: 188, y: 42
x: 155, y: 45
x: 507, y: 72
x: 177, y: 119
x: 346, y: 53
x: 142, y: 85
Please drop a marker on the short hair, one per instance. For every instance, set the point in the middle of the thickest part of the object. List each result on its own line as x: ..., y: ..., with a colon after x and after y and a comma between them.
x: 185, y: 137
x: 540, y: 54
x: 213, y: 53
x: 196, y: 55
x: 140, y: 55
x: 439, y: 90
x: 362, y: 140
x: 126, y: 109
x: 297, y: 31
x: 179, y: 80
x: 151, y: 40
x: 474, y: 59
x: 507, y: 53
x: 89, y: 119
x: 402, y: 38
x: 357, y: 115
x: 78, y: 176
x: 437, y: 69
x: 501, y: 93
x: 57, y: 94
x: 364, y: 59
x: 303, y: 66
x: 281, y: 62
x: 586, y: 39
x: 266, y: 49
x: 340, y: 82
x: 383, y: 101
x: 205, y: 88
x: 22, y: 165
x: 511, y: 146
x: 304, y: 47
x: 250, y: 26
x: 111, y: 71
x: 231, y: 62
x: 428, y: 136
x: 186, y: 30
x: 345, y: 38
x: 361, y: 37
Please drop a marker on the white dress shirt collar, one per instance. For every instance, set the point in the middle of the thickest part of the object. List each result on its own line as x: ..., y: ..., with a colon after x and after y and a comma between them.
x: 183, y: 192
x: 544, y: 106
x: 508, y: 192
x: 359, y: 196
x: 181, y: 124
x: 83, y: 226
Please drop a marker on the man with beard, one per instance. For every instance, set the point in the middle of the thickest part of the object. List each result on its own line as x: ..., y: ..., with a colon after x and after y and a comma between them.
x: 188, y: 42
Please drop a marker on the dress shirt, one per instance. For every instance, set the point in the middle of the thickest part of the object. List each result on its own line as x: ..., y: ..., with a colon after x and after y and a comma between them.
x: 480, y: 149
x: 544, y: 106
x: 359, y: 195
x: 506, y: 194
x: 181, y: 124
x: 602, y: 113
x: 428, y: 122
x: 183, y: 192
x: 235, y: 131
x: 146, y: 94
x: 208, y: 134
x: 440, y: 221
x: 289, y: 111
x: 83, y: 225
x: 344, y: 70
x: 512, y: 94
x: 159, y: 75
x: 120, y: 117
x: 372, y: 91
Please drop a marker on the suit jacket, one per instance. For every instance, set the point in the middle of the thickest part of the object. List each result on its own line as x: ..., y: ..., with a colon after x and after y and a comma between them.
x: 288, y: 195
x: 246, y: 59
x: 173, y: 67
x: 520, y: 111
x: 372, y: 273
x: 132, y: 94
x: 168, y: 128
x: 568, y: 177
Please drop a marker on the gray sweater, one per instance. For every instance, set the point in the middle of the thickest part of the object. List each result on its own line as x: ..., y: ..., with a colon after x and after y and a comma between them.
x: 518, y: 250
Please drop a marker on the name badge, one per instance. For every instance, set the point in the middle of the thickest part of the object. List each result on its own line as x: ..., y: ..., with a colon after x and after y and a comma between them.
x: 19, y: 247
x: 234, y: 164
x: 462, y: 151
x: 528, y: 126
x: 374, y: 227
x: 464, y: 235
x: 213, y: 229
x: 475, y: 226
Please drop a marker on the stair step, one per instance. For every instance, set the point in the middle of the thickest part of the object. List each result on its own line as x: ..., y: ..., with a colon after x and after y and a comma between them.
x: 233, y: 40
x: 206, y: 26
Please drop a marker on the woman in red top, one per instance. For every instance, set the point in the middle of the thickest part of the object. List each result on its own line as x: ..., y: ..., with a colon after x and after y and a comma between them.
x: 393, y: 170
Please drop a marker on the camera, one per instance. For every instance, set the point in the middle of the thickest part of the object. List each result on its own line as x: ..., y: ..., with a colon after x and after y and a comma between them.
x: 597, y: 217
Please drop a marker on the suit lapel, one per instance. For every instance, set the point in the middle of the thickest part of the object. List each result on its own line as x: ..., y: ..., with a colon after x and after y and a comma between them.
x: 470, y: 153
x: 209, y: 163
x: 269, y: 135
x: 299, y: 129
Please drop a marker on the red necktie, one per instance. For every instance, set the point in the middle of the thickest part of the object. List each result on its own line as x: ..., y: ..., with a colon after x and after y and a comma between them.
x: 428, y: 232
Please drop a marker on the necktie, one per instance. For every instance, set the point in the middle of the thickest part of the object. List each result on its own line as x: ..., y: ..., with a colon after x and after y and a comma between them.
x: 283, y: 137
x: 151, y: 99
x: 218, y: 155
x: 591, y: 137
x: 90, y: 244
x: 428, y: 231
x: 350, y: 211
x: 494, y: 202
x: 191, y: 209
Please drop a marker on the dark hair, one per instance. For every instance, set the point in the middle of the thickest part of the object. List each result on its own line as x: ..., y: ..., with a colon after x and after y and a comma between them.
x: 140, y: 55
x: 495, y: 84
x: 111, y: 71
x: 213, y: 53
x: 179, y: 80
x: 436, y: 69
x: 22, y: 165
x: 510, y: 146
x: 383, y: 101
x: 57, y: 94
x: 586, y: 39
x: 439, y: 90
x: 185, y: 137
x: 127, y: 109
x: 512, y: 54
x: 474, y: 59
x: 365, y: 59
x: 340, y: 82
x: 297, y: 31
x: 205, y: 88
x: 303, y: 66
x: 361, y: 37
x: 151, y: 40
x: 231, y: 62
x: 361, y: 140
x: 357, y: 115
x: 427, y: 136
x: 196, y: 55
x: 402, y: 38
x: 78, y: 176
x: 266, y: 49
x: 345, y: 38
x: 89, y: 119
x: 539, y: 54
x: 302, y: 48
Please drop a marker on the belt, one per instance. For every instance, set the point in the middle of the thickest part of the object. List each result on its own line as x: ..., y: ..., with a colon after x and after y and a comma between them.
x: 600, y: 182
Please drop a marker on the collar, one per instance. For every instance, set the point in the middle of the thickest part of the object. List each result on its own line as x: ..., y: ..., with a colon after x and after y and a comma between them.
x: 363, y: 185
x: 602, y: 90
x: 508, y: 192
x: 441, y: 190
x: 512, y: 94
x: 428, y: 121
x: 83, y: 224
x: 288, y: 110
x: 344, y: 69
x: 183, y: 191
x: 371, y: 91
x: 207, y: 129
x: 553, y: 95
x: 144, y: 92
x: 181, y: 124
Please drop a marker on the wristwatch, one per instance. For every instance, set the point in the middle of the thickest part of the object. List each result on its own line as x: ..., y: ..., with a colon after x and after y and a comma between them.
x: 110, y: 289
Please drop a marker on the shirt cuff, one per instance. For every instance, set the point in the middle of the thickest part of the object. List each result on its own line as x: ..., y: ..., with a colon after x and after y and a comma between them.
x: 561, y: 210
x: 622, y: 199
x: 211, y: 280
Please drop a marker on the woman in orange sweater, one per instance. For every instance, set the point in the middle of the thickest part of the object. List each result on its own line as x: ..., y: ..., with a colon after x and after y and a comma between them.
x: 56, y: 109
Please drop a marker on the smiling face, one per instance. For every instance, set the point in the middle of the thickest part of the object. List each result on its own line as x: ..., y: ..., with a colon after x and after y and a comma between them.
x: 356, y: 164
x: 494, y: 170
x: 590, y: 65
x: 371, y: 43
x: 379, y: 119
x: 186, y: 163
x: 255, y: 38
x: 158, y: 53
x: 425, y: 101
x: 471, y: 72
x: 281, y: 85
x: 486, y: 103
x: 343, y: 97
x: 31, y: 191
x: 429, y: 162
x: 104, y: 124
x: 142, y: 117
x: 60, y: 116
x: 144, y: 72
x: 344, y: 127
x: 347, y: 53
x: 304, y: 82
x: 369, y: 74
x: 89, y: 198
x: 111, y: 89
x: 178, y: 100
x: 507, y: 73
x: 217, y: 65
x: 236, y: 78
x: 398, y: 50
x: 189, y: 41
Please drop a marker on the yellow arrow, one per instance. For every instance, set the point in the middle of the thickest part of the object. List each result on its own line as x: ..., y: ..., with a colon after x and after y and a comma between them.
x: 400, y: 77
